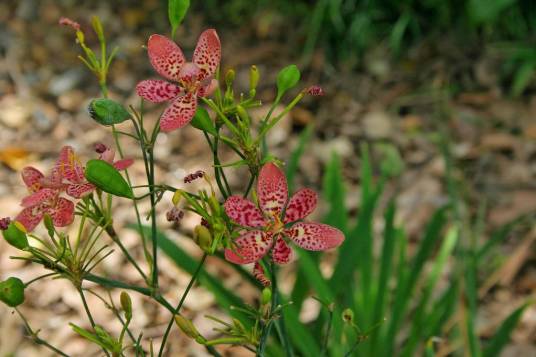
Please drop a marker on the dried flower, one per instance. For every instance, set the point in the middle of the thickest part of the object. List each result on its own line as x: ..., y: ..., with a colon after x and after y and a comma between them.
x: 194, y: 176
x: 315, y: 91
x: 194, y: 78
x: 258, y: 273
x: 68, y: 22
x: 174, y: 215
x: 4, y: 223
x: 271, y: 227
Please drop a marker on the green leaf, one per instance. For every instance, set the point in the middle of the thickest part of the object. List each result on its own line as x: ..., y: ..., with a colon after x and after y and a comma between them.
x: 12, y: 292
x: 107, y: 112
x: 202, y: 121
x: 176, y: 11
x: 15, y: 236
x: 107, y: 178
x: 287, y: 78
x: 502, y: 336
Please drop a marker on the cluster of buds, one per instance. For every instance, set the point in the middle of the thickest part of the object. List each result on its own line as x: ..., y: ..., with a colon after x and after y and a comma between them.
x: 194, y: 176
x: 174, y: 215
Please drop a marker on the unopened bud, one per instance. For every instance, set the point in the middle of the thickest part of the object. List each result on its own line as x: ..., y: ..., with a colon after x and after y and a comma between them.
x: 15, y: 235
x: 203, y: 237
x: 12, y: 292
x: 315, y: 91
x: 266, y: 296
x: 188, y: 328
x: 253, y: 77
x: 242, y: 114
x: 348, y: 315
x: 214, y: 205
x: 230, y: 77
x: 80, y: 36
x: 177, y: 197
x: 126, y: 304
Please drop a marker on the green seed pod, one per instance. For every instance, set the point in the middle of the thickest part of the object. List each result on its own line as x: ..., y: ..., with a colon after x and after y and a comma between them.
x: 203, y: 237
x: 12, y: 292
x: 107, y: 112
x: 47, y: 220
x: 214, y: 205
x: 287, y: 78
x: 177, y: 197
x: 243, y: 114
x: 15, y: 235
x: 266, y: 296
x: 187, y: 327
x: 126, y: 304
x: 348, y: 316
x: 202, y: 121
x: 107, y: 178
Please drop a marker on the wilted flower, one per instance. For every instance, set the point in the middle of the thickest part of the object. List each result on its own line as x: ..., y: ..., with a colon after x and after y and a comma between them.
x: 4, y: 223
x: 68, y: 22
x: 315, y: 91
x: 194, y: 78
x: 276, y: 221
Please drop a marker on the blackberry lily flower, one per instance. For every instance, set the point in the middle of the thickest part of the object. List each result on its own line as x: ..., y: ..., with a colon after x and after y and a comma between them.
x: 277, y: 221
x: 44, y: 199
x: 194, y: 79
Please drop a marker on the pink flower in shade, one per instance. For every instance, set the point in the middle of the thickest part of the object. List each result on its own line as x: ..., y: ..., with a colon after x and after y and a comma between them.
x: 43, y: 199
x: 277, y: 221
x: 194, y: 78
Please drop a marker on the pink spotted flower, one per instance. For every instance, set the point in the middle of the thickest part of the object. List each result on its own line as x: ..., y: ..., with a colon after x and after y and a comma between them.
x: 192, y: 79
x: 44, y: 199
x: 277, y: 221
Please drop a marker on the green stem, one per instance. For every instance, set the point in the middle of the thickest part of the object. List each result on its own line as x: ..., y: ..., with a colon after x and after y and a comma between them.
x: 36, y: 338
x: 225, y: 340
x: 183, y: 298
x: 266, y: 328
x: 153, y: 218
x: 89, y: 316
x: 113, y: 235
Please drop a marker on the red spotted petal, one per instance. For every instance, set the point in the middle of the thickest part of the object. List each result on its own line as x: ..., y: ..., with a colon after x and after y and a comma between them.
x: 208, y: 88
x: 250, y: 247
x: 207, y: 53
x: 258, y: 273
x: 68, y: 166
x: 79, y: 190
x: 282, y: 253
x: 123, y: 164
x: 179, y: 113
x: 244, y: 212
x: 165, y: 56
x: 301, y: 204
x: 63, y: 213
x: 32, y: 177
x: 272, y: 189
x: 30, y: 217
x: 315, y: 236
x: 157, y: 91
x: 44, y: 195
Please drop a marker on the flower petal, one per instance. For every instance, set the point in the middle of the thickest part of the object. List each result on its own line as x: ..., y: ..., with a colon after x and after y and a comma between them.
x: 208, y: 88
x: 244, y: 212
x: 207, y: 54
x: 179, y: 113
x: 123, y: 164
x: 272, y: 189
x: 315, y: 236
x: 30, y: 217
x: 39, y: 197
x: 165, y: 56
x: 250, y: 247
x: 68, y: 166
x: 63, y: 213
x: 258, y: 273
x: 32, y: 178
x: 282, y: 253
x: 79, y: 190
x: 301, y: 204
x: 157, y: 91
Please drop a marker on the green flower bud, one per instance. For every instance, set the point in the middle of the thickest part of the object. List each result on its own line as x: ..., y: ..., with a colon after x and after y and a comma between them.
x: 107, y: 178
x: 15, y: 235
x: 188, y: 328
x: 266, y: 296
x: 214, y: 205
x: 203, y: 237
x: 243, y: 114
x: 126, y: 304
x: 177, y: 197
x: 348, y: 315
x: 253, y: 77
x: 12, y: 292
x: 230, y: 77
x: 107, y: 112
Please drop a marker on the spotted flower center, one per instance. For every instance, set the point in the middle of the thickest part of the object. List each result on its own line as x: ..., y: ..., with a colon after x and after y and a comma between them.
x: 189, y: 77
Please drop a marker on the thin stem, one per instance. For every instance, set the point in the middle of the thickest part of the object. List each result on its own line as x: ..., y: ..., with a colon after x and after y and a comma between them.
x: 89, y: 316
x: 183, y: 298
x: 113, y: 235
x: 39, y: 278
x: 216, y: 168
x: 36, y: 338
x: 153, y: 218
x: 268, y: 326
x: 328, y: 333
